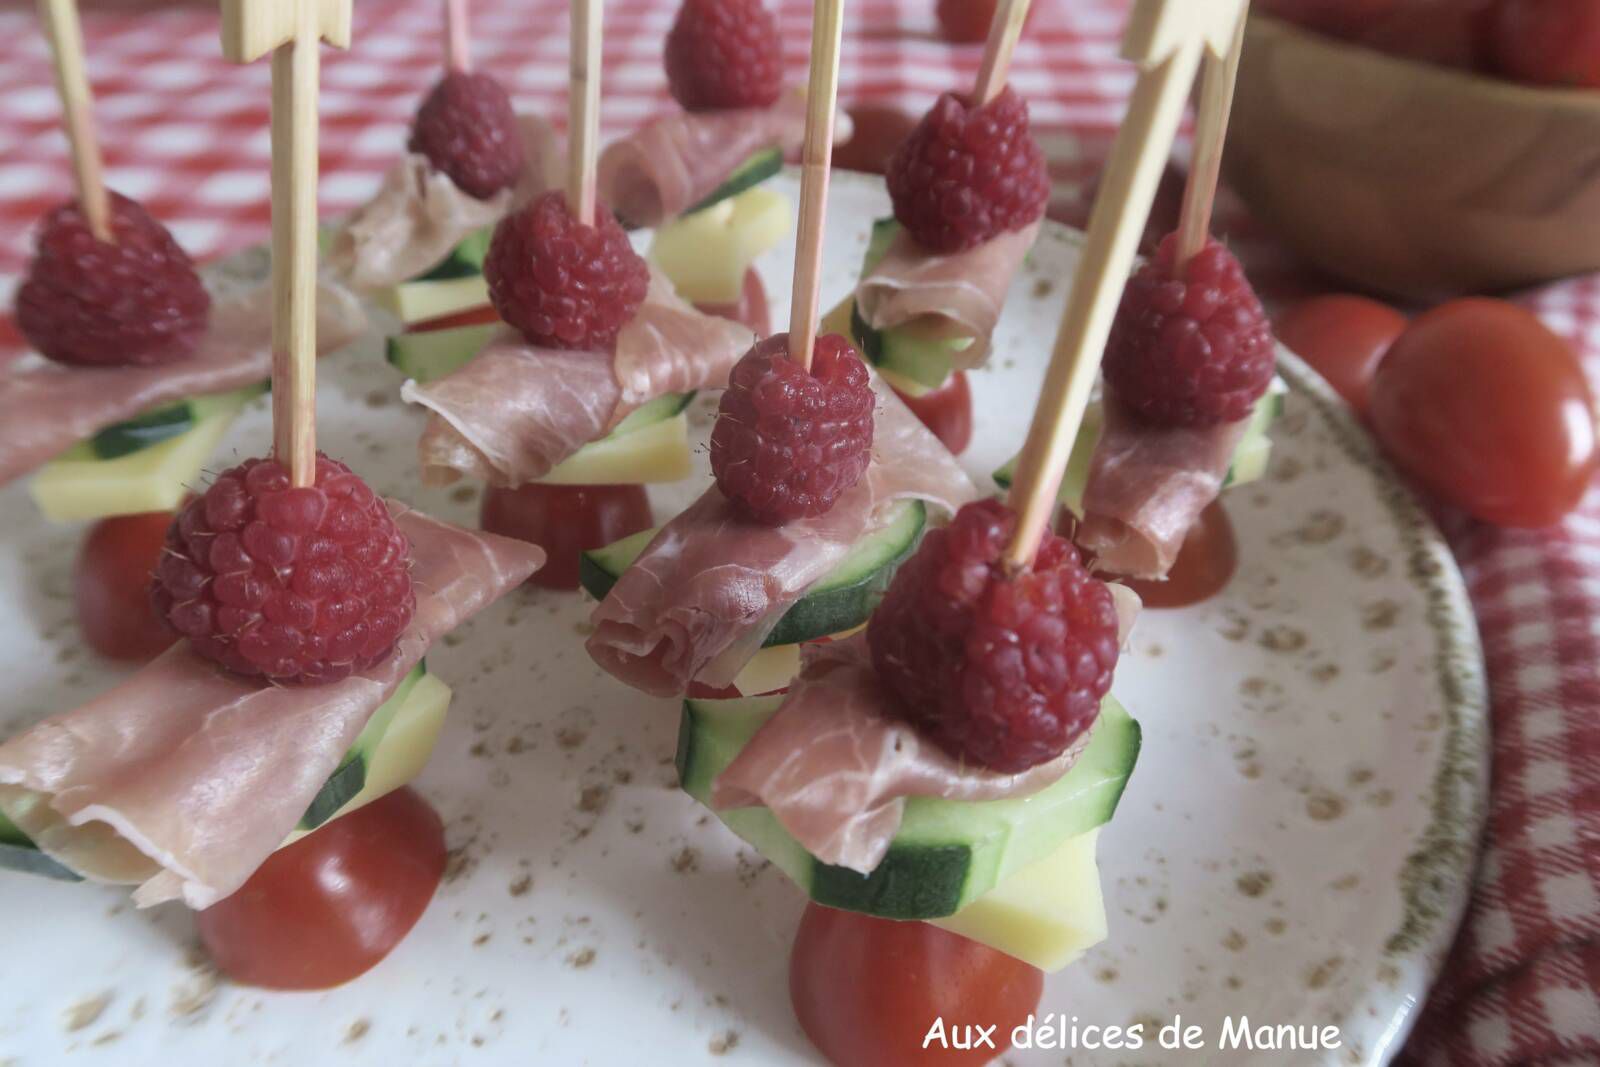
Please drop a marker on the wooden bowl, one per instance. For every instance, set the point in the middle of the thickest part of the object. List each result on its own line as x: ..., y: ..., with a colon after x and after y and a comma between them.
x: 1413, y: 180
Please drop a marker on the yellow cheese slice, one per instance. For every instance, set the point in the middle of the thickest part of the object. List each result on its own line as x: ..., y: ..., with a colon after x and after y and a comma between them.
x: 706, y: 254
x: 651, y: 455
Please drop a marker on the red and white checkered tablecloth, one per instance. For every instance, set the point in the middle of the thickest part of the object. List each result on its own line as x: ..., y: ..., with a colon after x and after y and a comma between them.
x: 187, y: 134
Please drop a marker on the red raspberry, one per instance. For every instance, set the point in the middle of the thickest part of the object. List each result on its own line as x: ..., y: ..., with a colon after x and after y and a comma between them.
x: 787, y: 444
x: 1007, y: 672
x: 468, y: 131
x: 134, y: 302
x: 563, y: 284
x: 297, y: 586
x: 724, y: 54
x: 1191, y: 351
x: 968, y: 174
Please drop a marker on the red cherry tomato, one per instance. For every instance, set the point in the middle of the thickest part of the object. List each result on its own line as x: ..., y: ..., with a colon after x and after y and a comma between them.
x: 879, y: 130
x: 967, y: 21
x: 566, y: 521
x: 751, y: 310
x: 1204, y: 566
x: 477, y: 316
x: 111, y: 586
x: 867, y: 990
x: 1548, y: 42
x: 1343, y: 337
x: 1482, y: 404
x: 947, y: 411
x: 329, y: 907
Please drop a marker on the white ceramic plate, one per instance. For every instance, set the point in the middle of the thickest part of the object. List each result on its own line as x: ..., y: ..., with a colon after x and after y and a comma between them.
x: 1295, y: 845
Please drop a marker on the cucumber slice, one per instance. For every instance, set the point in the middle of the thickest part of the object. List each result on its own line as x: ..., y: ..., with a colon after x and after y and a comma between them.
x: 752, y: 172
x: 351, y: 776
x: 465, y: 259
x: 419, y: 301
x: 433, y: 354
x: 903, y: 352
x: 947, y: 854
x: 841, y: 601
x: 163, y: 424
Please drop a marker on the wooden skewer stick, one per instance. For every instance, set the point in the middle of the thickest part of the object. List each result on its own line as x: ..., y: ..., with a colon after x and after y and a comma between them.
x: 1165, y: 38
x: 822, y: 102
x: 583, y: 108
x: 291, y: 31
x: 457, y: 38
x: 61, y: 26
x: 1004, y: 32
x: 1220, y: 75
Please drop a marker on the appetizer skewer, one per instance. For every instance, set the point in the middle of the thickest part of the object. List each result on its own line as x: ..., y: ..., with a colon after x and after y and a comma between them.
x: 299, y: 695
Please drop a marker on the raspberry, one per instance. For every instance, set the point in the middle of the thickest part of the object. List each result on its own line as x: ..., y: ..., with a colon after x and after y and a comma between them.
x: 787, y: 444
x: 468, y: 131
x: 297, y: 586
x: 1007, y: 672
x: 134, y: 302
x: 724, y: 54
x: 1191, y: 351
x: 968, y: 174
x: 563, y: 284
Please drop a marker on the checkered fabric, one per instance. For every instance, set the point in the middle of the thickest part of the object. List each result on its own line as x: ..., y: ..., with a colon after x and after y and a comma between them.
x: 187, y: 134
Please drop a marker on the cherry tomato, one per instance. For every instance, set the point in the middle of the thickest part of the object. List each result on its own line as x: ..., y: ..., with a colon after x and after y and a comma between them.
x: 1482, y: 404
x: 1343, y: 337
x: 967, y: 21
x: 879, y: 130
x: 947, y: 411
x: 1205, y: 564
x: 1548, y: 42
x: 111, y: 586
x: 566, y: 521
x: 329, y: 907
x: 751, y: 310
x: 867, y: 990
x: 477, y: 316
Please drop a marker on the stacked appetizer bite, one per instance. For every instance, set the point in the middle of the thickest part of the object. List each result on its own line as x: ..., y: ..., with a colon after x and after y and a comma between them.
x: 298, y: 694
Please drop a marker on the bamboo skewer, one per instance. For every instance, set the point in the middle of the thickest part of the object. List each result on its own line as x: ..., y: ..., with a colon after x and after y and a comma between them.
x: 583, y: 108
x: 822, y: 93
x: 60, y: 18
x: 1220, y: 75
x: 1004, y: 32
x: 457, y: 36
x: 292, y: 32
x: 1165, y: 38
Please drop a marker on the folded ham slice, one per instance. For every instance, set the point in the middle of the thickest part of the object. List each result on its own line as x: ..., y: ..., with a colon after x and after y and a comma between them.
x: 418, y: 214
x: 183, y: 779
x: 956, y: 295
x: 1147, y: 487
x: 702, y: 597
x: 514, y: 412
x: 672, y: 163
x: 46, y: 408
x: 836, y: 763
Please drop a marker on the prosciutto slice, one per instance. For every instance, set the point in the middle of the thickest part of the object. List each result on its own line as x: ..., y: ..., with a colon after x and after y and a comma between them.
x: 673, y: 162
x: 46, y: 407
x: 702, y: 597
x: 1147, y: 487
x: 418, y: 214
x: 183, y: 779
x: 835, y: 763
x: 514, y: 412
x: 956, y: 295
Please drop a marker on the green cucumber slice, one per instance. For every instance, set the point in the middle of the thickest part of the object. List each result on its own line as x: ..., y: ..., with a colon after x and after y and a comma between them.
x: 421, y: 301
x: 351, y: 775
x: 465, y: 259
x: 946, y: 853
x: 433, y: 354
x: 928, y: 362
x: 162, y: 424
x: 662, y: 408
x: 841, y: 601
x: 752, y: 172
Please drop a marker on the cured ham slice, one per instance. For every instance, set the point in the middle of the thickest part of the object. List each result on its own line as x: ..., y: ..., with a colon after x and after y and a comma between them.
x: 673, y: 162
x: 516, y: 410
x: 1147, y: 487
x: 702, y: 597
x: 183, y: 779
x: 418, y: 214
x: 836, y: 763
x: 46, y: 408
x: 956, y: 295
